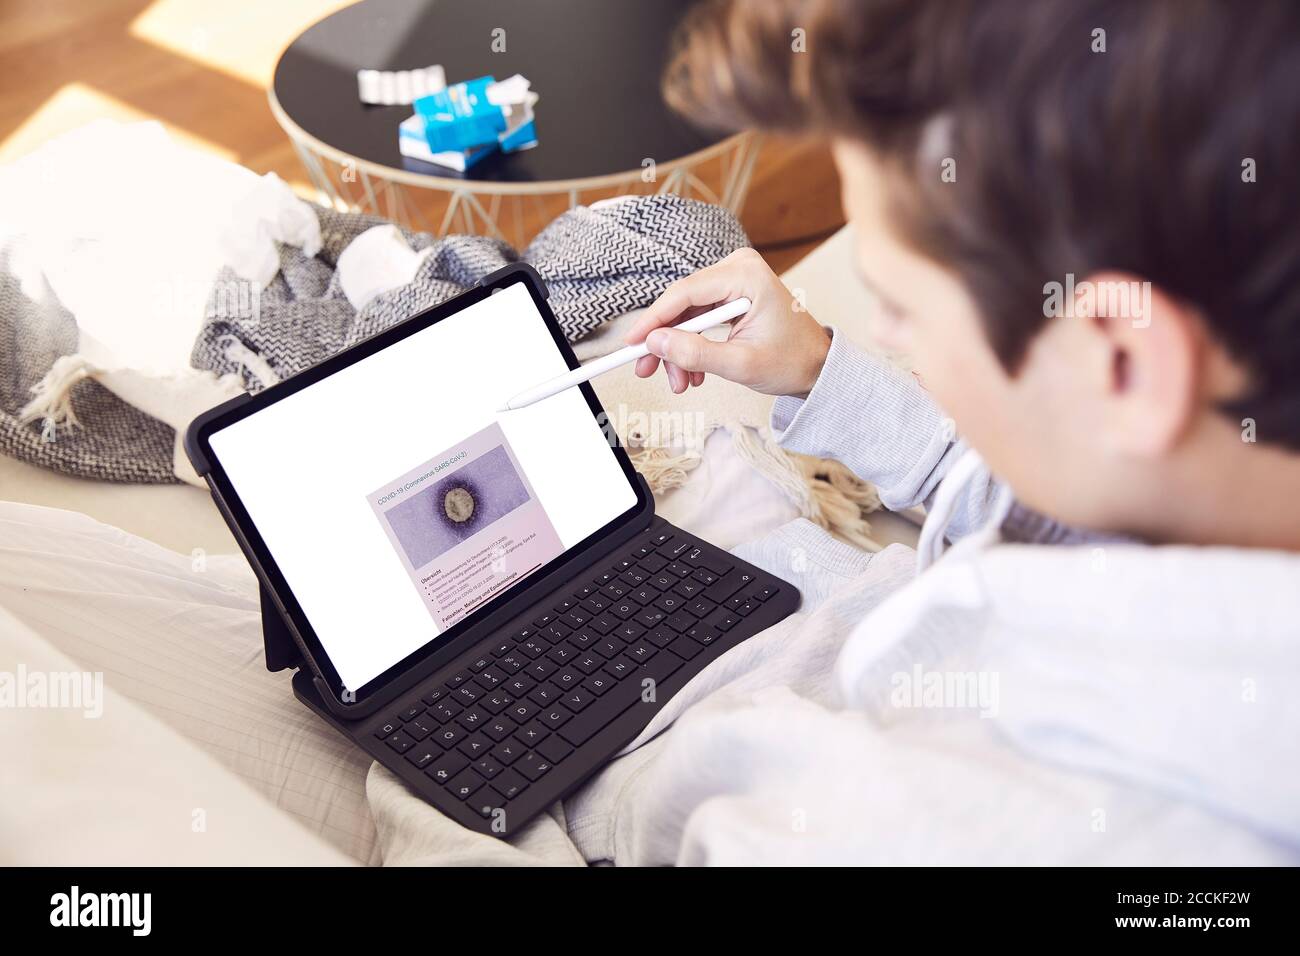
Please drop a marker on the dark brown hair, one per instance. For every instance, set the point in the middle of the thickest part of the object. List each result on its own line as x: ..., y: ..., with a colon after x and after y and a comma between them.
x: 1170, y: 153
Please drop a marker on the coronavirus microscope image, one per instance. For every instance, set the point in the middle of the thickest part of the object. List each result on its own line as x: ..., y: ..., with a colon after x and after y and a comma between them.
x: 458, y: 504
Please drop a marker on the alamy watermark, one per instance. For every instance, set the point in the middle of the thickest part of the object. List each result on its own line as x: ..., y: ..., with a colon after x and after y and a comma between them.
x: 53, y: 690
x: 1085, y: 299
x: 945, y: 690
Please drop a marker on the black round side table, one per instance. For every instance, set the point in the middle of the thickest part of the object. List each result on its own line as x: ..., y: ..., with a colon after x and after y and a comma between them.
x: 601, y: 122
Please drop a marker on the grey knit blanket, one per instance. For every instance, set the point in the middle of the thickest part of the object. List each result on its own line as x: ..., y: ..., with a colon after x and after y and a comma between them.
x: 597, y: 264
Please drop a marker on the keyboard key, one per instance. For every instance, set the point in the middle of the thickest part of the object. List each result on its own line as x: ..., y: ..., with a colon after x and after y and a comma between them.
x: 624, y: 609
x: 576, y: 618
x: 688, y: 587
x: 630, y: 631
x: 748, y: 608
x: 555, y: 632
x: 644, y: 594
x: 685, y: 647
x: 544, y: 694
x: 680, y: 622
x: 567, y: 679
x: 563, y: 653
x: 727, y: 585
x: 651, y: 617
x: 584, y: 592
x: 445, y: 769
x: 663, y: 537
x: 620, y: 667
x: 703, y: 634
x: 600, y: 714
x: 500, y: 729
x: 700, y: 607
x: 609, y: 648
x: 424, y: 755
x: 554, y: 748
x: 642, y: 651
x: 553, y: 718
x: 433, y: 696
x: 654, y: 563
x: 445, y: 710
x: 534, y: 647
x: 467, y: 693
x: 603, y: 623
x: 704, y: 576
x: 663, y: 581
x: 663, y: 667
x: 474, y: 746
x: 699, y: 558
x: 588, y: 663
x: 605, y: 577
x: 518, y: 686
x: 421, y: 727
x: 508, y: 751
x: 509, y: 784
x: 400, y: 741
x: 615, y: 589
x: 564, y: 606
x: 724, y: 620
x: 479, y: 663
x: 671, y: 603
x: 473, y: 718
x: 676, y: 548
x: 542, y: 669
x: 388, y: 727
x: 466, y: 784
x: 489, y: 678
x: 661, y: 636
x: 578, y: 700
x: 623, y: 564
x: 415, y: 710
x: 634, y: 577
x: 523, y: 634
x: 642, y: 551
x: 449, y: 736
x: 503, y: 647
x: 582, y: 639
x: 512, y: 663
x: 599, y: 683
x: 533, y: 766
x: 495, y: 703
x: 532, y: 735
x: 596, y: 603
x: 679, y: 569
x: 543, y: 620
x: 522, y: 711
x: 487, y: 768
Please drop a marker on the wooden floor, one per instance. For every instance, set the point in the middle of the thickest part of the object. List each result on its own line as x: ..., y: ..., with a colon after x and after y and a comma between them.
x: 201, y: 67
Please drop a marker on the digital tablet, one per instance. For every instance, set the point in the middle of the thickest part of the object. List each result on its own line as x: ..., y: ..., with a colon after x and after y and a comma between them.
x: 385, y: 501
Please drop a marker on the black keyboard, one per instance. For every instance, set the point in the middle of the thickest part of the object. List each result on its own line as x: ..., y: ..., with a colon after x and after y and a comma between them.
x: 522, y: 719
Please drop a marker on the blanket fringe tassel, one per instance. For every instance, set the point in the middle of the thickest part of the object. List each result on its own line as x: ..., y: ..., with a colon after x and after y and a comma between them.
x: 52, y: 395
x: 823, y: 490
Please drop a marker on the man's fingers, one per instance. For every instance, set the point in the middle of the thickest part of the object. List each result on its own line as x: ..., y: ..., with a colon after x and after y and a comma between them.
x: 646, y: 365
x: 695, y: 353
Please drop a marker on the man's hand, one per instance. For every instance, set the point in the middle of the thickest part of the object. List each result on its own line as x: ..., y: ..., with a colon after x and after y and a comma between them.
x: 774, y: 348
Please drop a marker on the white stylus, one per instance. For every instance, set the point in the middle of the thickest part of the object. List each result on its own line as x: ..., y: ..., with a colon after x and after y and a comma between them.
x: 723, y: 313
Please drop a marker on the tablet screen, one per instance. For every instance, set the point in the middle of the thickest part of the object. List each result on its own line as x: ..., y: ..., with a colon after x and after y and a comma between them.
x: 397, y: 500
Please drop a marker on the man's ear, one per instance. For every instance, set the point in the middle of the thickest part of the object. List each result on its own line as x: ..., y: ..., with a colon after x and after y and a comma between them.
x: 1153, y: 343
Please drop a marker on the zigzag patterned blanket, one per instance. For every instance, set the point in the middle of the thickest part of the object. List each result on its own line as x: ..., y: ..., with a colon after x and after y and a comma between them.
x: 597, y: 262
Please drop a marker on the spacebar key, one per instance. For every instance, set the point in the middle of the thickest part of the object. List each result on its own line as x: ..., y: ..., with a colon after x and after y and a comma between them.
x: 602, y: 713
